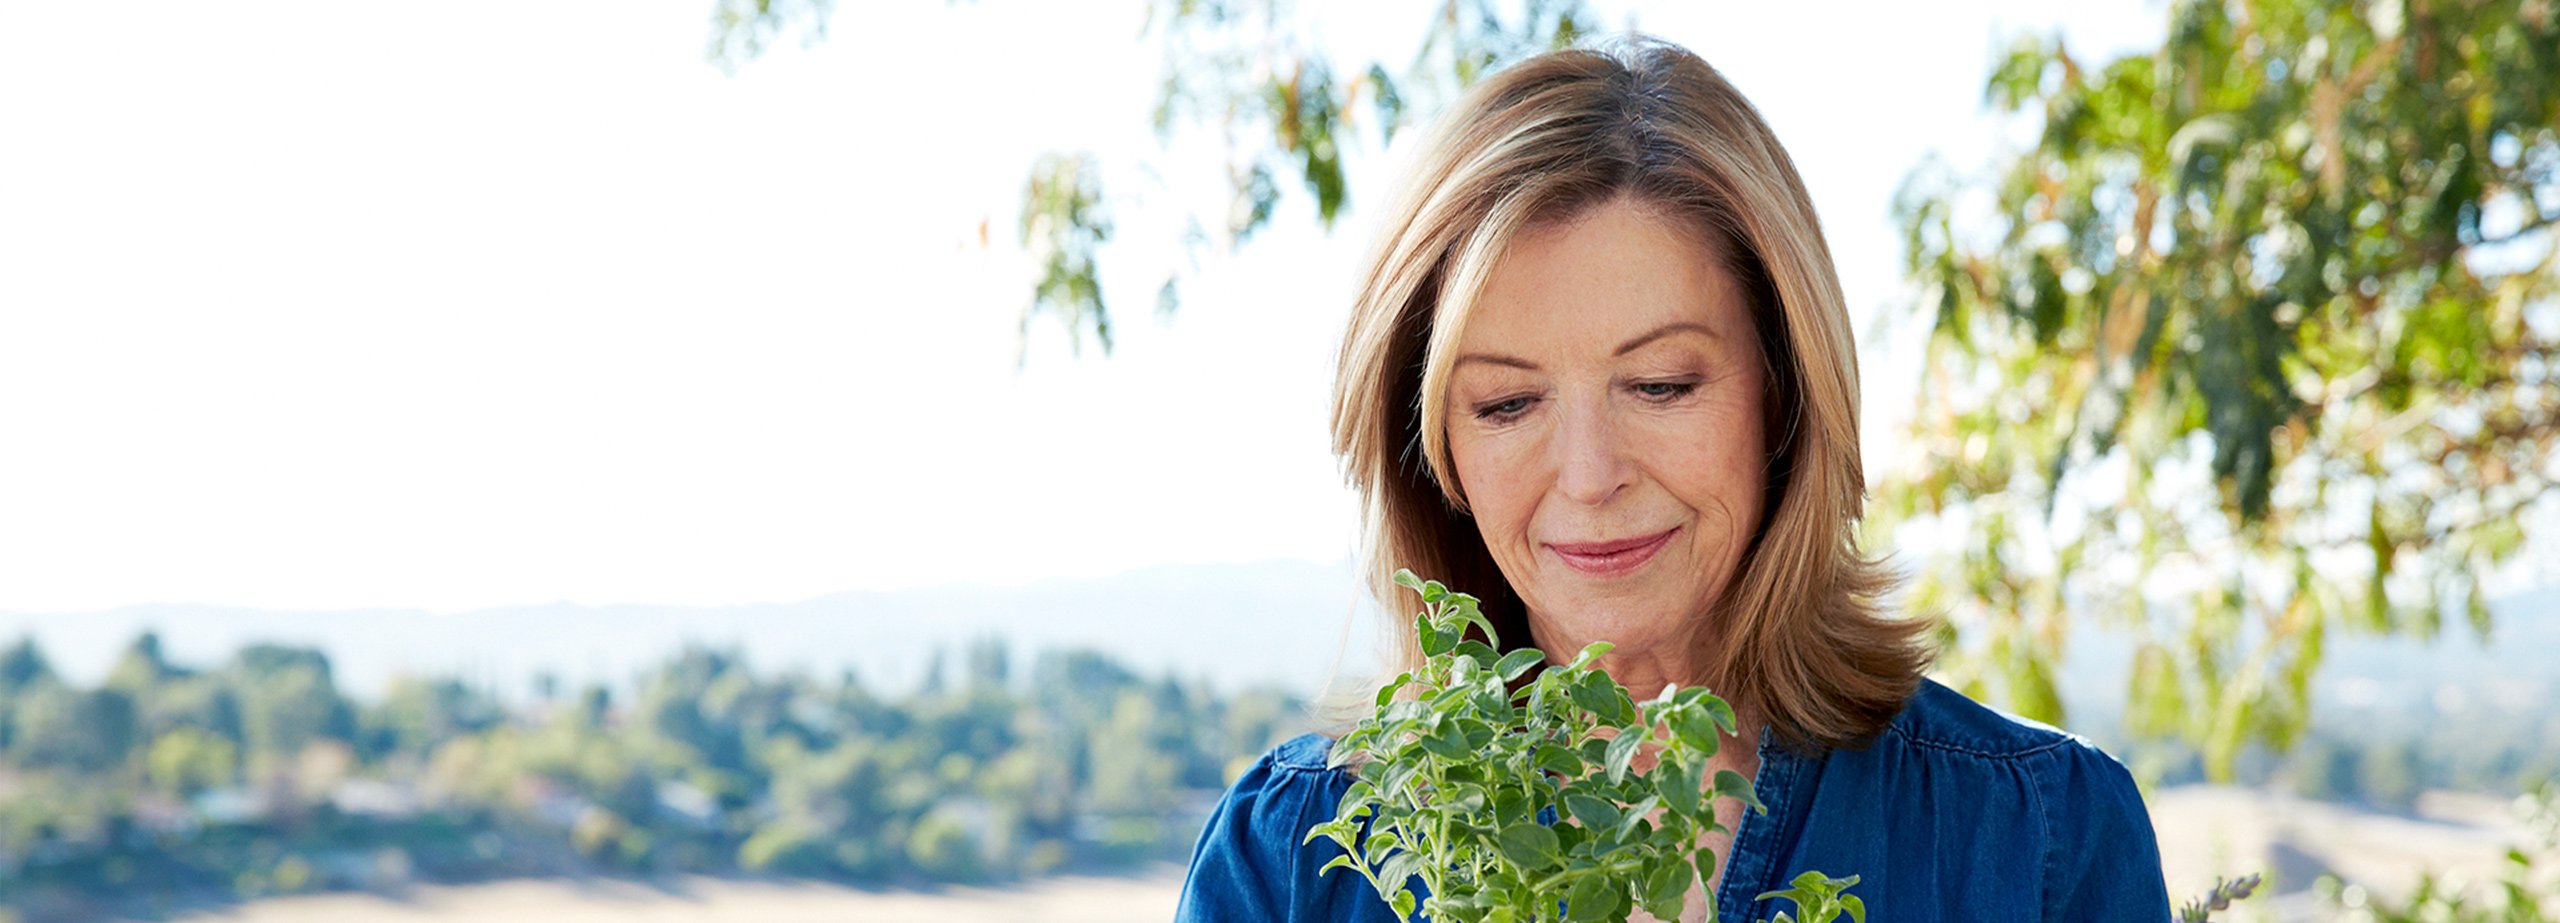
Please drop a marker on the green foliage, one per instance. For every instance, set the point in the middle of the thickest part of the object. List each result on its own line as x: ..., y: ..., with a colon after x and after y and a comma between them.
x: 1064, y: 225
x: 1818, y: 899
x: 287, y: 700
x: 21, y: 666
x: 186, y: 761
x: 786, y: 848
x: 418, y: 714
x: 141, y: 667
x: 81, y: 731
x: 1465, y: 761
x: 1292, y: 115
x: 943, y: 847
x: 196, y: 779
x: 205, y: 702
x: 2251, y: 346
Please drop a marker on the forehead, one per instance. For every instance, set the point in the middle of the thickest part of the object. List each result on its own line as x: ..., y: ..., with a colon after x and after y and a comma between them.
x: 1614, y: 272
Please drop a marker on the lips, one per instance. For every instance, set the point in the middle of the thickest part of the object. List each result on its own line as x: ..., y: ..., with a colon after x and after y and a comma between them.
x: 1611, y: 558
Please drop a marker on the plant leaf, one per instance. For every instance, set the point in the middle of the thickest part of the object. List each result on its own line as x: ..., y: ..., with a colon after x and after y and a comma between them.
x: 1678, y: 788
x: 1594, y: 814
x: 1731, y: 784
x: 1517, y: 662
x: 1721, y: 711
x: 1589, y: 653
x: 1694, y: 727
x: 1559, y: 760
x: 1588, y: 899
x: 1666, y: 889
x: 1622, y: 751
x: 1597, y: 695
x: 1435, y: 640
x: 1398, y: 868
x: 1530, y: 845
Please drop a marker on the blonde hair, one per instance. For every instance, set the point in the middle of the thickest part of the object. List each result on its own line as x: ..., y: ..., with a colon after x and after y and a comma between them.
x: 1799, y: 638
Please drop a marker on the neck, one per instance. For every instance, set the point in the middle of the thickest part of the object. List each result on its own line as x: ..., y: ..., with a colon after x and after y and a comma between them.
x: 1644, y: 668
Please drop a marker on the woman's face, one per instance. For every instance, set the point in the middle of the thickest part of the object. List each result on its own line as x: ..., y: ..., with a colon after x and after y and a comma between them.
x: 1604, y: 417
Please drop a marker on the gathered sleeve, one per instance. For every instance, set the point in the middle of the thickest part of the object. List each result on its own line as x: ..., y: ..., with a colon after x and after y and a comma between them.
x: 1250, y: 863
x: 2101, y: 857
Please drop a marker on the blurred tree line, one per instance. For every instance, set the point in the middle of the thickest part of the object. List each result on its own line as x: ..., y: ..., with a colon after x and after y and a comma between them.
x: 259, y: 776
x: 2251, y: 345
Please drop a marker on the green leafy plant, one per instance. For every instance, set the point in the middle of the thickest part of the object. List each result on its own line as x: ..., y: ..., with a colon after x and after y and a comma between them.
x: 1468, y: 770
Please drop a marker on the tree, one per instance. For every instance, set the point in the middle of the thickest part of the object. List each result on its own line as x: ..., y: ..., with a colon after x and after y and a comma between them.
x: 287, y: 699
x: 677, y: 703
x: 22, y: 665
x: 142, y: 668
x: 188, y: 760
x: 417, y: 715
x: 2254, y: 344
x: 57, y: 725
x: 1291, y: 112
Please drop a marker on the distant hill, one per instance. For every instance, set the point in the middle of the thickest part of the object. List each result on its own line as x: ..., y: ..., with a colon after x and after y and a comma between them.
x: 1278, y: 622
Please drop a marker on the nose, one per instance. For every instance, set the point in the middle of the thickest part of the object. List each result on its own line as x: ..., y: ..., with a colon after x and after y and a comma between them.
x: 1592, y: 463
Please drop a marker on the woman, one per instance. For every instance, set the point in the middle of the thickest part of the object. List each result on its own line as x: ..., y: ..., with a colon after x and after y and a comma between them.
x: 1600, y: 375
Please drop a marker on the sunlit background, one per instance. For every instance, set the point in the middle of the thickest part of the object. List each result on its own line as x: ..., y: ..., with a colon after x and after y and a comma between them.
x: 492, y: 304
x: 523, y: 345
x: 316, y: 309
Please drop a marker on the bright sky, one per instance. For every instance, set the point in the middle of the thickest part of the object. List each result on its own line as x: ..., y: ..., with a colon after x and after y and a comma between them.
x: 313, y: 304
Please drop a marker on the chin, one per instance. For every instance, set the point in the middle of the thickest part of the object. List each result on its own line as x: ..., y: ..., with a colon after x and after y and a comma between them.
x: 1626, y: 619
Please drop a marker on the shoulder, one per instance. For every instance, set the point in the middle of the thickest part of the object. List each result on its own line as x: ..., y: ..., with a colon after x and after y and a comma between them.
x: 1939, y: 718
x: 1301, y: 754
x: 1253, y: 861
x: 2097, y: 846
x: 2062, y: 775
x: 1285, y: 793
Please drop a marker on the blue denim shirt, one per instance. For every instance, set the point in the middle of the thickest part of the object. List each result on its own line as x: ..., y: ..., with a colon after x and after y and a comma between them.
x: 1954, y: 812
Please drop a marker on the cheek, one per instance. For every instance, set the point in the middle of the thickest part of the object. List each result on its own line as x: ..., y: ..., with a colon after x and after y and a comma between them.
x: 1718, y: 463
x: 1493, y: 477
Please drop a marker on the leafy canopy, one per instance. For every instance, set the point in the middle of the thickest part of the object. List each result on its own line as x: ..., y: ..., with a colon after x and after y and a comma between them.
x: 2253, y: 344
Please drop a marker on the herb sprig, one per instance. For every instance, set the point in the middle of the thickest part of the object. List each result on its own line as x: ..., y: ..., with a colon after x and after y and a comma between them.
x: 1466, y: 772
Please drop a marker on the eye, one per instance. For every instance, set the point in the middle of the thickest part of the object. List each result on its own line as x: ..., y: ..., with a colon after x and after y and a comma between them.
x: 1666, y: 390
x: 1505, y: 410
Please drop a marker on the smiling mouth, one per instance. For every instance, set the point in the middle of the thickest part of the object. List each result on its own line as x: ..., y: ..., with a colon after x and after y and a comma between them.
x: 1611, y: 558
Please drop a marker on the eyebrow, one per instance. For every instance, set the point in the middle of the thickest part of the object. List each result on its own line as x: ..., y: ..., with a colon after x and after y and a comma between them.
x: 1496, y: 359
x: 1667, y: 330
x: 1623, y: 349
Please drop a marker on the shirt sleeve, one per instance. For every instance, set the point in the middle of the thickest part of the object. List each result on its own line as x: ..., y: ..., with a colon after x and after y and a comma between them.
x: 1236, y: 873
x: 2102, y: 860
x: 1251, y: 865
